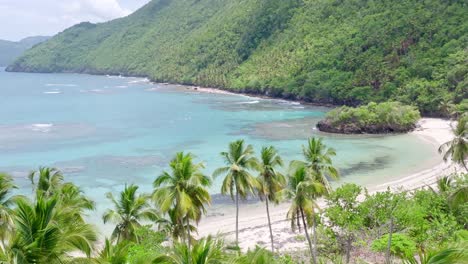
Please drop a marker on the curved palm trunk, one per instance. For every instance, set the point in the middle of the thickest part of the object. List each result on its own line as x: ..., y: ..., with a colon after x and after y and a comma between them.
x: 314, y: 252
x: 188, y: 241
x: 307, y: 233
x: 464, y: 165
x: 237, y: 216
x: 269, y: 224
x: 298, y: 220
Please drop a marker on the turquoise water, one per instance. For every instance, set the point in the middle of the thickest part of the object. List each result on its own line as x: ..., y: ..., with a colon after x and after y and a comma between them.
x: 105, y: 131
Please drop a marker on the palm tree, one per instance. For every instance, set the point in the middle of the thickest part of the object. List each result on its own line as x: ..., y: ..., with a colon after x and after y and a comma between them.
x: 271, y: 182
x: 48, y: 183
x: 318, y: 161
x: 238, y: 181
x: 205, y: 251
x: 6, y: 201
x: 302, y: 190
x: 72, y: 200
x: 457, y: 148
x: 257, y: 256
x: 41, y: 238
x: 318, y: 166
x: 447, y: 107
x: 172, y: 226
x: 128, y: 211
x: 184, y: 191
x: 451, y: 254
x: 113, y: 253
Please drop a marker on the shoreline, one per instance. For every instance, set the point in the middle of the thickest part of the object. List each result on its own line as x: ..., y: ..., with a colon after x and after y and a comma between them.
x: 253, y: 223
x: 212, y: 90
x: 253, y: 227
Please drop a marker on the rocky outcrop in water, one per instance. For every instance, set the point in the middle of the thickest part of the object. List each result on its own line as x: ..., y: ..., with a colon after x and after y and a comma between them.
x: 352, y: 128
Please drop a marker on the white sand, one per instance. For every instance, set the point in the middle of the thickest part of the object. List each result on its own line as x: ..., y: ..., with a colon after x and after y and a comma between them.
x: 253, y: 221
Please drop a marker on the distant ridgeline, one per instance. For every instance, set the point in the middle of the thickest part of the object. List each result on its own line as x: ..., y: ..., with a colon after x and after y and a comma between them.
x: 11, y: 50
x: 325, y: 51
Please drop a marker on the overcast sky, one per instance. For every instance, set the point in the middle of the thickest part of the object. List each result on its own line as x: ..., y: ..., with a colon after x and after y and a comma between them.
x: 23, y: 18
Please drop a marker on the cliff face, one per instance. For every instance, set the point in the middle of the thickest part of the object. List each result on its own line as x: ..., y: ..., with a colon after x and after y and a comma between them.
x: 329, y: 51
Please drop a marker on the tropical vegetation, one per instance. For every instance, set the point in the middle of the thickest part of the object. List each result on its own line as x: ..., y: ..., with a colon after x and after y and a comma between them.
x: 324, y: 51
x: 457, y: 148
x: 238, y: 181
x: 387, y: 117
x: 422, y: 226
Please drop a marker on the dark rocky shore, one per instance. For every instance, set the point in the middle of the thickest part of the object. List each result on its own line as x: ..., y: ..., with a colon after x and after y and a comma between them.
x: 352, y: 128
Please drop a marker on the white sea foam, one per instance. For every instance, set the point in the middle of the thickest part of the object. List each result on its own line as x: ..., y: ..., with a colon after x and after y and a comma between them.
x: 52, y: 92
x: 250, y: 102
x: 288, y: 102
x: 114, y: 76
x: 96, y: 91
x: 152, y: 89
x: 42, y: 127
x: 121, y: 86
x: 61, y: 84
x: 145, y: 80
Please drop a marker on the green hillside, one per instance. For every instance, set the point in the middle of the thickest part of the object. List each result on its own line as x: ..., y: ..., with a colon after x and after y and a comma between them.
x: 329, y: 51
x: 11, y: 50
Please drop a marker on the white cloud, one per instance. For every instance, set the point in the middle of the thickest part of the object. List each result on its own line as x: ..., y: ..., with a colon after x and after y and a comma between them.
x: 99, y: 9
x: 21, y: 18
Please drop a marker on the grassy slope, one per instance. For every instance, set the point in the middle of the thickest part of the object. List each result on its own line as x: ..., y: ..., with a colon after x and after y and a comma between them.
x: 332, y: 51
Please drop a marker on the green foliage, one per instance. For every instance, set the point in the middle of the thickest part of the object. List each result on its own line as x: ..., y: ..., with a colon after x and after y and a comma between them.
x: 371, y: 118
x: 207, y: 250
x: 457, y: 148
x: 182, y: 194
x: 7, y: 200
x: 10, y: 50
x: 148, y: 246
x: 49, y: 228
x: 402, y: 246
x: 328, y: 51
x: 238, y: 180
x: 260, y: 255
x: 344, y: 209
x: 129, y: 210
x: 270, y: 181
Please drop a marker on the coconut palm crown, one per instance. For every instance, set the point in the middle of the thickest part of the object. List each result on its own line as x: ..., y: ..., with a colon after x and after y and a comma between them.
x: 238, y: 181
x: 129, y: 210
x: 457, y: 148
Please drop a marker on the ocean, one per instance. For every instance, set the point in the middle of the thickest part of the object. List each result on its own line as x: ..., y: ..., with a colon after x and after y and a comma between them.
x: 106, y: 131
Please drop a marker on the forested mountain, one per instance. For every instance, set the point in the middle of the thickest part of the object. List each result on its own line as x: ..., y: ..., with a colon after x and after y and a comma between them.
x: 329, y: 51
x: 10, y: 50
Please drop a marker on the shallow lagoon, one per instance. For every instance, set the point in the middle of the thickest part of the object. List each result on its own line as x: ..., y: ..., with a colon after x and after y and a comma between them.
x: 105, y: 131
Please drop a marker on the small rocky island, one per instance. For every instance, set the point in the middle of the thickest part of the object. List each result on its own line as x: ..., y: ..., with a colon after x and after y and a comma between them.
x: 373, y: 118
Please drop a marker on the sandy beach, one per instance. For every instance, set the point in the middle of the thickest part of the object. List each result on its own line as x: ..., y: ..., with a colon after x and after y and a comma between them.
x: 252, y: 218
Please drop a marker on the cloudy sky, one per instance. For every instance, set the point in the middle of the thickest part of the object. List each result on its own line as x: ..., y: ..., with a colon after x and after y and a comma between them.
x: 23, y: 18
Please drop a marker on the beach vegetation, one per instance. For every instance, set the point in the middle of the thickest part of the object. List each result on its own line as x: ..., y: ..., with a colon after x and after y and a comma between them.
x: 238, y: 179
x: 271, y: 181
x: 129, y: 210
x: 373, y: 118
x: 183, y: 195
x: 457, y: 149
x: 302, y: 192
x: 421, y: 226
